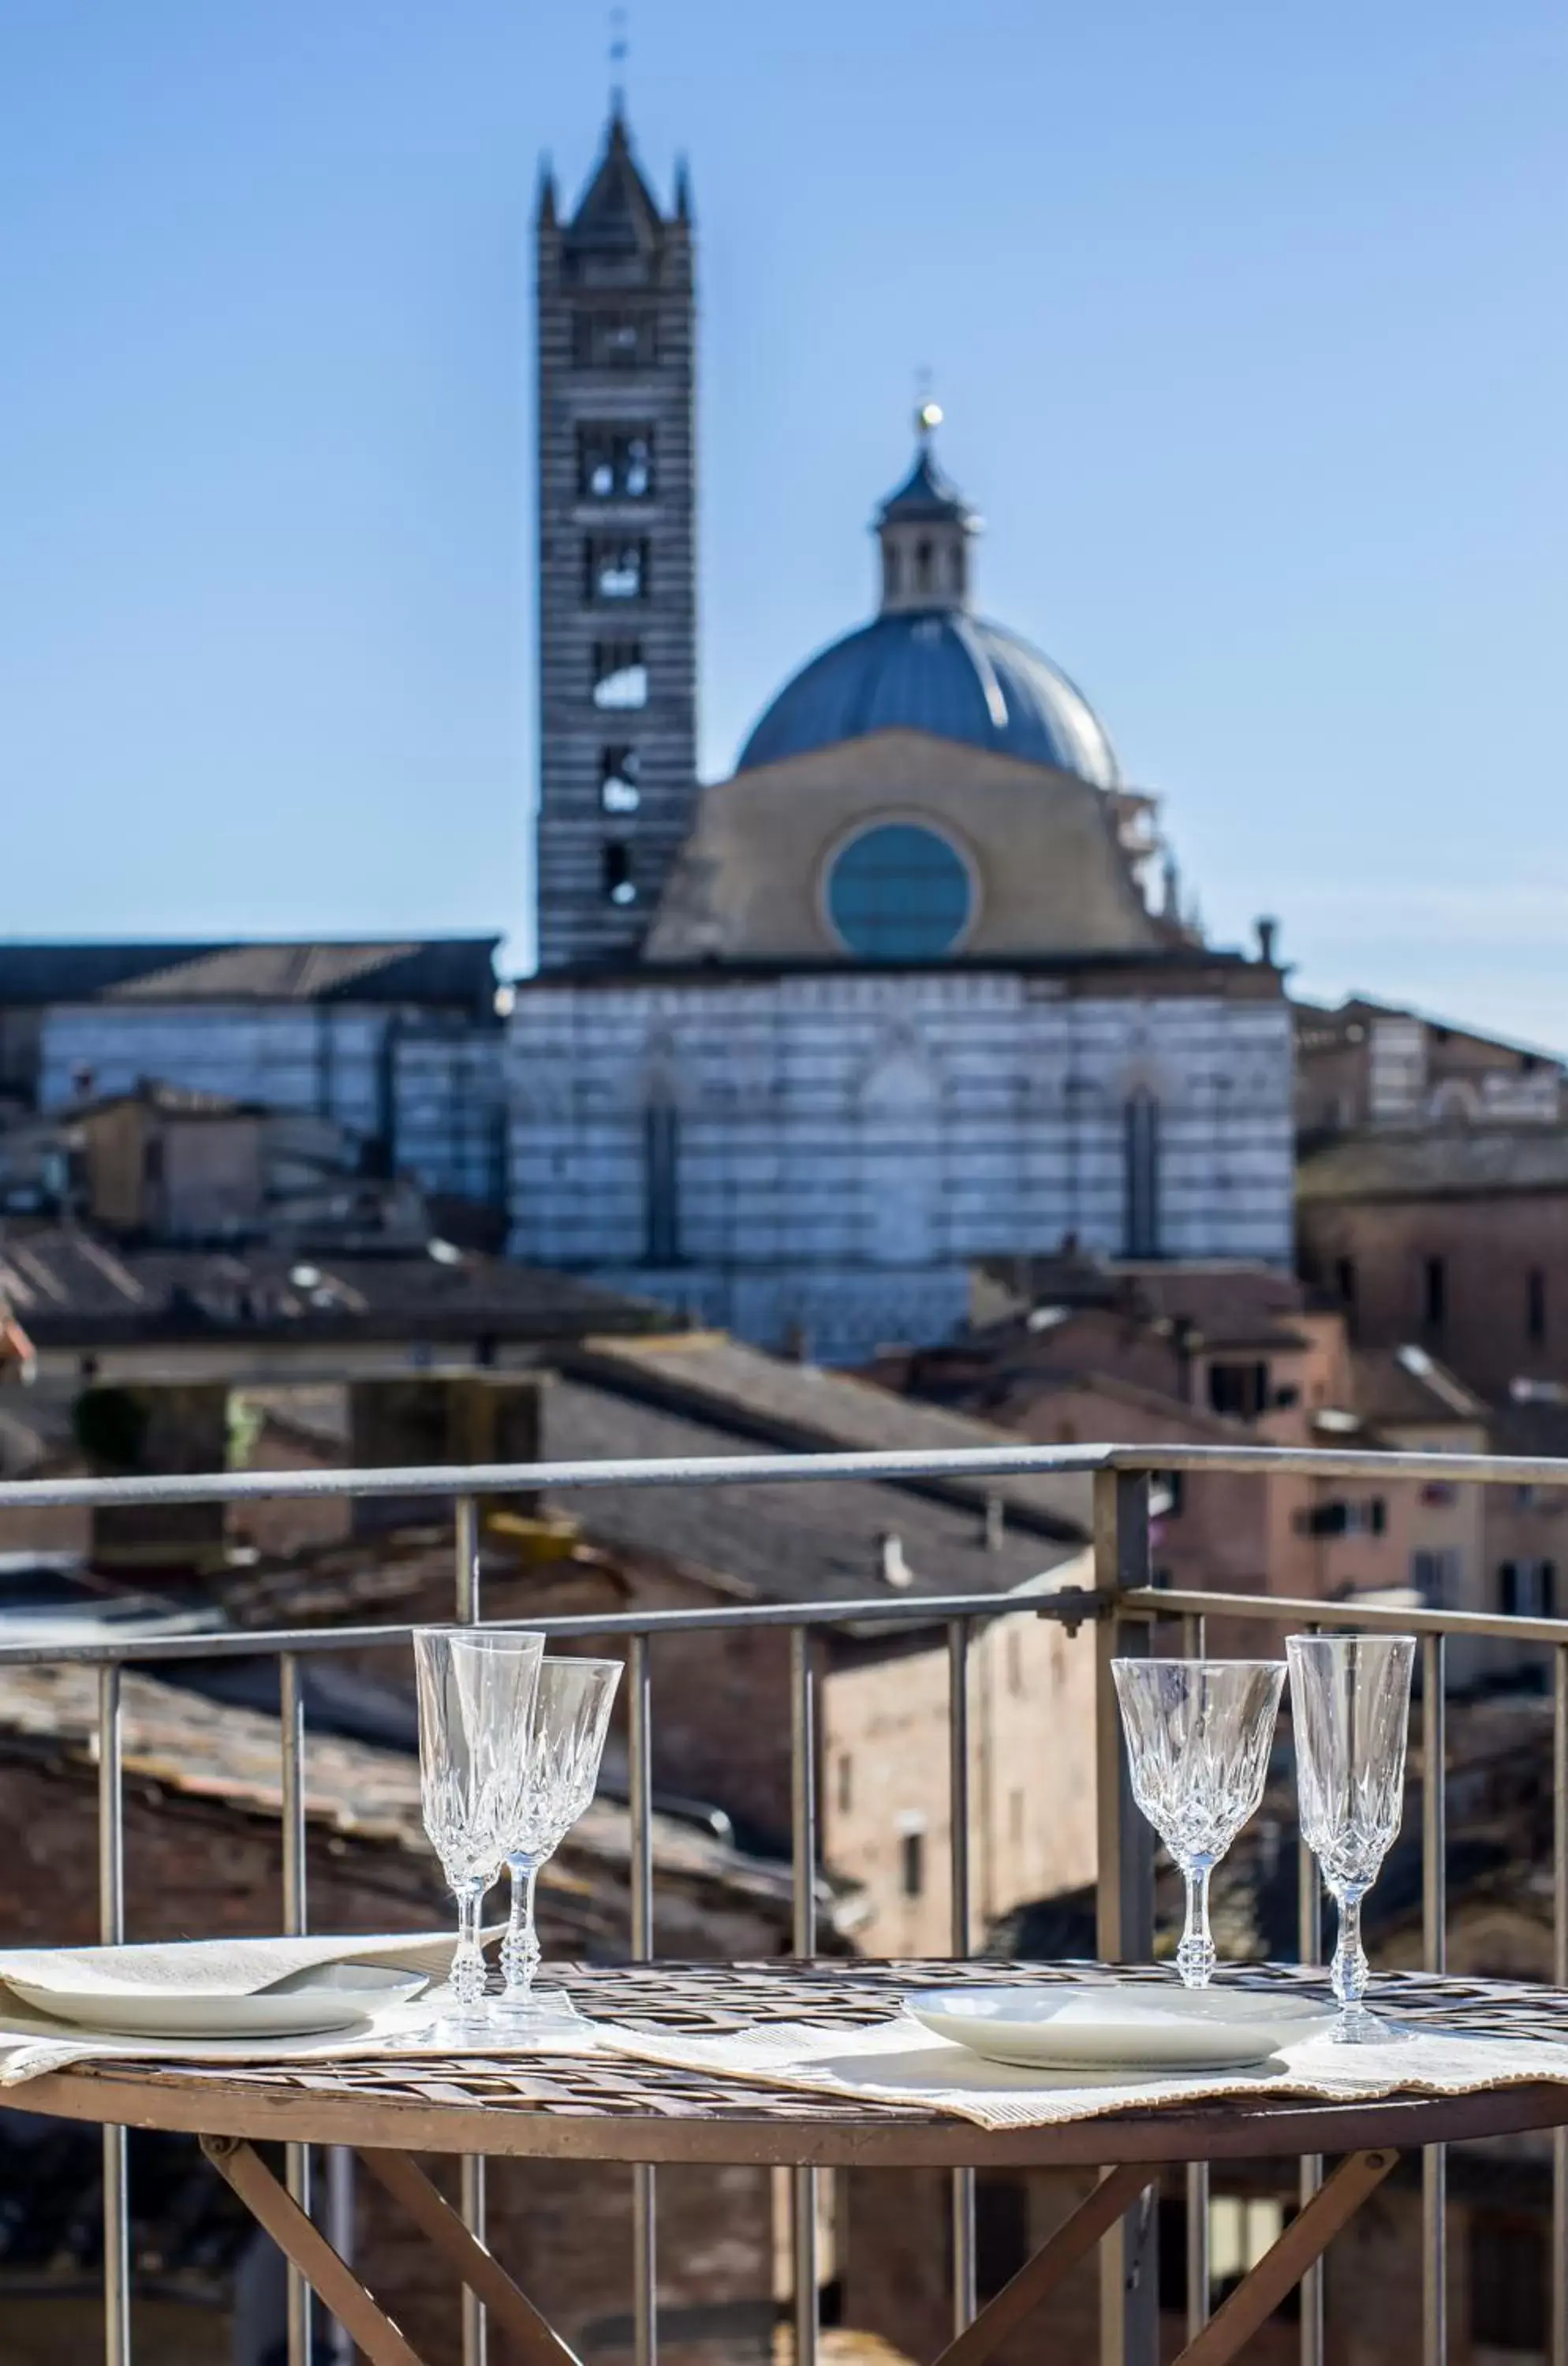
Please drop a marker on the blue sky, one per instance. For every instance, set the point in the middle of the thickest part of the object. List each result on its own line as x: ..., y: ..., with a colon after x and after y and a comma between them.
x: 1249, y: 326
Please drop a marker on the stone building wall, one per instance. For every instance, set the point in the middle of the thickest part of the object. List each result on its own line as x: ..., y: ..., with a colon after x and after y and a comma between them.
x: 886, y: 1806
x: 1476, y: 1313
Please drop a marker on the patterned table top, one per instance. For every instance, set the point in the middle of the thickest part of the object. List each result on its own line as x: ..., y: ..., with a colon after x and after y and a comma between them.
x: 607, y: 2107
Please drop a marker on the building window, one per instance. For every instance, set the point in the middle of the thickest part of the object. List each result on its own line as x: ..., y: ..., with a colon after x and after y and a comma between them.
x: 661, y: 1182
x: 899, y: 892
x: 1139, y: 1175
x: 615, y: 569
x: 912, y: 1864
x: 1436, y: 1577
x: 846, y: 1782
x: 1239, y: 1390
x: 1527, y: 1589
x: 614, y: 464
x: 1341, y: 1519
x: 619, y: 772
x: 924, y: 557
x: 1508, y: 2284
x: 619, y: 886
x: 620, y: 675
x: 1015, y: 1817
x: 1435, y: 1292
x: 1535, y: 1307
x: 1015, y: 1664
x: 613, y: 340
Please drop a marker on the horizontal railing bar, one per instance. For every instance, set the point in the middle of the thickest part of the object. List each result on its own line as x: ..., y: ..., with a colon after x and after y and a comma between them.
x: 1494, y: 1626
x: 449, y: 1480
x: 1071, y: 1604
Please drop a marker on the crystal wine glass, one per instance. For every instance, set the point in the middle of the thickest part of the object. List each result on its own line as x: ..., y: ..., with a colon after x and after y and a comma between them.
x: 1350, y: 1709
x: 1199, y: 1733
x: 566, y: 1741
x: 476, y: 1696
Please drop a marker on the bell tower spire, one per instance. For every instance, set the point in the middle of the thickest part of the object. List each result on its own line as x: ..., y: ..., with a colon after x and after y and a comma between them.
x: 925, y: 530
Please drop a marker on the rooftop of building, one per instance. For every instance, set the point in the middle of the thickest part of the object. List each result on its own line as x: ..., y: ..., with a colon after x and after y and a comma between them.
x: 953, y: 675
x: 789, y: 1540
x: 1217, y: 1303
x: 441, y: 972
x: 227, y: 1756
x: 784, y: 1402
x: 1324, y: 1027
x: 1395, y: 1385
x: 1473, y: 1160
x: 72, y: 1288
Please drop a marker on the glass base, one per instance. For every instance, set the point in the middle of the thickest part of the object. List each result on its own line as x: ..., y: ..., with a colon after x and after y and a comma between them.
x: 1358, y: 2025
x: 456, y: 2022
x: 533, y: 2009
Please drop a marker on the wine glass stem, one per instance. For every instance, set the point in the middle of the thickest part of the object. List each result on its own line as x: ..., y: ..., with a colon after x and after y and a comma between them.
x: 1349, y: 1969
x: 1195, y: 1956
x: 520, y: 1948
x: 469, y: 1963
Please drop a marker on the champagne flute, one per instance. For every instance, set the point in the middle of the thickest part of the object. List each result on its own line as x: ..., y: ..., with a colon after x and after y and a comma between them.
x: 1199, y: 1734
x: 476, y: 1696
x: 1350, y: 1711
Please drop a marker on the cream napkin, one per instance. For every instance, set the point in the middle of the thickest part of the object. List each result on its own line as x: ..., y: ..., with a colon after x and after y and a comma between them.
x: 218, y: 1966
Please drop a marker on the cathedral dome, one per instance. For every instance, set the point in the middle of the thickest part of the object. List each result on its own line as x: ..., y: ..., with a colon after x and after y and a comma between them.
x: 943, y: 672
x: 926, y: 663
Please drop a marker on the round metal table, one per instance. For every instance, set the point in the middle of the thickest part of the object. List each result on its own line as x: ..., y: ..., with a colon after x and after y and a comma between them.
x: 609, y: 2108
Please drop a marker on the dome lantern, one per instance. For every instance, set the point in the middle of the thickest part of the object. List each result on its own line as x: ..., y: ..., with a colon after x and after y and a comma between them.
x: 925, y: 529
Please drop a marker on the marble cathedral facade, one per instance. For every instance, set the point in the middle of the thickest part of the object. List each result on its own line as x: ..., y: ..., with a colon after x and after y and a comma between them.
x: 911, y: 987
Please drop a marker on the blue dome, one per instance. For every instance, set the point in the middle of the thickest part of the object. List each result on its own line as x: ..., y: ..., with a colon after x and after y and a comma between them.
x: 945, y: 672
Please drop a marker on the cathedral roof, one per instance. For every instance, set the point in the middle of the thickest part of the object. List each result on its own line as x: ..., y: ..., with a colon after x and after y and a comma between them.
x: 946, y: 672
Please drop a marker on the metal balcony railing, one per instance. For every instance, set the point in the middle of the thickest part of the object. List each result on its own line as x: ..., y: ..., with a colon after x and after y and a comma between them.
x: 1122, y: 1612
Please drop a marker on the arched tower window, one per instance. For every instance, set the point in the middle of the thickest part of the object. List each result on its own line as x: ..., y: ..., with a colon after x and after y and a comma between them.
x: 923, y: 559
x: 1140, y: 1153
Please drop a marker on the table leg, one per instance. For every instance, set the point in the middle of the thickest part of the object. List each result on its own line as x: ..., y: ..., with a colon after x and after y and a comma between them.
x: 1039, y: 2276
x: 482, y: 2272
x: 1280, y: 2268
x: 308, y: 2251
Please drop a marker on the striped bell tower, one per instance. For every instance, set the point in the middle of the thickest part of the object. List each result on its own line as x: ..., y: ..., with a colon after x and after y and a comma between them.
x: 616, y: 321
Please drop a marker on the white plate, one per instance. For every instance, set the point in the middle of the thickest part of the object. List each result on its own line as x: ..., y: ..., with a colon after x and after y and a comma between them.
x: 331, y: 1996
x: 1119, y: 2024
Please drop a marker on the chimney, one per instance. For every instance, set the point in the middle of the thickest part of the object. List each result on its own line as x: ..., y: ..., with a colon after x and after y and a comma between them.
x: 995, y: 1523
x: 1267, y: 932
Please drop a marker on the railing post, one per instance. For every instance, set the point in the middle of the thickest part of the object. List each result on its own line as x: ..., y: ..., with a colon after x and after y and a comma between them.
x: 296, y: 2158
x: 1309, y: 1949
x: 644, y: 2204
x: 471, y: 2167
x: 1193, y: 1647
x: 1560, y: 1974
x: 961, y: 1937
x: 803, y: 1838
x: 1129, y: 2257
x: 1434, y: 1932
x: 111, y: 1932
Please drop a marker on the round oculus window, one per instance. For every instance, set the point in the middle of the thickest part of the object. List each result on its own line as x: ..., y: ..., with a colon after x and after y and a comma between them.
x: 899, y: 893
